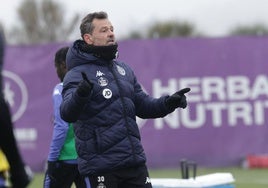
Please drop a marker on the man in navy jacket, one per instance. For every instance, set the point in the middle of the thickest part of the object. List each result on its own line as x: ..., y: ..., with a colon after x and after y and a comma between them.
x: 102, y: 97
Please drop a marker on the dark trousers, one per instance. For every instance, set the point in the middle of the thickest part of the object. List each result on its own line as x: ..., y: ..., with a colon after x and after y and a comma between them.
x: 9, y: 147
x: 134, y: 177
x: 63, y: 177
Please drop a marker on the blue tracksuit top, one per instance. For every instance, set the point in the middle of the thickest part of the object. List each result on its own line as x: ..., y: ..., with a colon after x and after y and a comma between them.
x: 106, y: 132
x: 62, y: 144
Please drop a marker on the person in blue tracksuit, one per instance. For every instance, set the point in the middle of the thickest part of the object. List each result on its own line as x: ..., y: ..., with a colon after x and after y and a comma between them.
x: 62, y: 170
x: 102, y: 97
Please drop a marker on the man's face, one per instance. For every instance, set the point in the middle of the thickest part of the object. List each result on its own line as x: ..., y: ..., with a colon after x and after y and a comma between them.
x: 103, y: 33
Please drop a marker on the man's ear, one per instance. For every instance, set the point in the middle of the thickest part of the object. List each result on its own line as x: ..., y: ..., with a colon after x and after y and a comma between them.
x: 87, y: 38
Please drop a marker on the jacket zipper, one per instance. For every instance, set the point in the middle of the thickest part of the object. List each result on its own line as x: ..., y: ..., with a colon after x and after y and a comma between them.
x: 124, y: 107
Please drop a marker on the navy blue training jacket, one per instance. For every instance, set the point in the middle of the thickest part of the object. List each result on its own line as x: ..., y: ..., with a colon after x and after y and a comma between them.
x: 106, y: 132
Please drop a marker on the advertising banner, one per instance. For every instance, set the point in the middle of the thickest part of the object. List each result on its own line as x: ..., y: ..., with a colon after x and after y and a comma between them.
x: 226, y: 117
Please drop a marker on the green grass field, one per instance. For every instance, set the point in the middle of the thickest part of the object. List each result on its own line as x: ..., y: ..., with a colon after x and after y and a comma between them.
x: 244, y: 178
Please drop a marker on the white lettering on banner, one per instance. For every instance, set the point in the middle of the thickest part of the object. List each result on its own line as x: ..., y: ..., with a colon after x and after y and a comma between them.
x: 259, y: 107
x: 26, y: 134
x: 238, y: 88
x: 216, y: 111
x: 214, y: 87
x: 260, y: 87
x: 233, y: 100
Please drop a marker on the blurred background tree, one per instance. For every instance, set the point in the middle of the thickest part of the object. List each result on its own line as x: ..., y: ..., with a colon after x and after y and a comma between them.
x: 249, y: 30
x: 41, y: 22
x: 170, y: 28
x: 45, y: 21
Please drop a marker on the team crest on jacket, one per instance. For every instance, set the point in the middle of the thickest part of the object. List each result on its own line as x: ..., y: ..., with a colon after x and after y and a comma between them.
x: 101, y: 185
x: 107, y: 93
x: 121, y: 70
x: 102, y: 81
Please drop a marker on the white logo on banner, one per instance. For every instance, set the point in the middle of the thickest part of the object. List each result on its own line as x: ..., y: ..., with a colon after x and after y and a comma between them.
x: 12, y: 81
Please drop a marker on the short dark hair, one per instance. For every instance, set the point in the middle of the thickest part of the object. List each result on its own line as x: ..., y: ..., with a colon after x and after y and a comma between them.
x: 86, y: 24
x: 60, y: 56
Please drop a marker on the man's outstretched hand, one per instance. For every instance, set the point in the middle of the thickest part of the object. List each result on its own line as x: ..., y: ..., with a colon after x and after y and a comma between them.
x: 85, y: 86
x: 178, y: 99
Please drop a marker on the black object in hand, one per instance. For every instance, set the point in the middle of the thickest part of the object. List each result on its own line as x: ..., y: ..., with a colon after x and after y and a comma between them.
x: 178, y: 99
x: 85, y: 86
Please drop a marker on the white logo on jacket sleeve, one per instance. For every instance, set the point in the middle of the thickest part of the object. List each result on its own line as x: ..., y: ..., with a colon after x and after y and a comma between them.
x: 107, y: 93
x: 121, y: 70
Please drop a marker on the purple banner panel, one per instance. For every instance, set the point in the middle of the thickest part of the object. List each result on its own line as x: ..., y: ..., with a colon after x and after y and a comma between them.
x: 227, y: 115
x: 29, y: 79
x: 224, y: 122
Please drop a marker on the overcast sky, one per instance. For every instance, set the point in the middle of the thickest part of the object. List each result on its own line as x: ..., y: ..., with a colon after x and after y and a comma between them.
x: 213, y: 17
